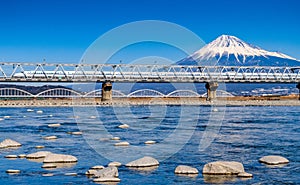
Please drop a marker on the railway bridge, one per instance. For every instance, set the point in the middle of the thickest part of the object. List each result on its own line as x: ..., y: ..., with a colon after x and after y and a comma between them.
x: 107, y: 74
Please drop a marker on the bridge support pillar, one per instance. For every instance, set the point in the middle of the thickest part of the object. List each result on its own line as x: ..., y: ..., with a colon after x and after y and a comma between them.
x: 106, y: 91
x: 211, y: 90
x: 298, y: 86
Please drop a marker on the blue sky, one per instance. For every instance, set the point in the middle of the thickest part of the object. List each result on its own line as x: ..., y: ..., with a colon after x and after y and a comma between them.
x: 60, y: 31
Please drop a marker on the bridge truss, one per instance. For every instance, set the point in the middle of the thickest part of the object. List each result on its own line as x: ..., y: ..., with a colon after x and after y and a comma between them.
x: 78, y: 73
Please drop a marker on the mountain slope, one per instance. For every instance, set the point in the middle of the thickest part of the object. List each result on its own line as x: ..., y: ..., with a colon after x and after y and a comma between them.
x: 230, y: 50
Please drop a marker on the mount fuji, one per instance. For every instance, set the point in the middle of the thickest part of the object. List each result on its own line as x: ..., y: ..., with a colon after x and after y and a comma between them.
x: 229, y: 50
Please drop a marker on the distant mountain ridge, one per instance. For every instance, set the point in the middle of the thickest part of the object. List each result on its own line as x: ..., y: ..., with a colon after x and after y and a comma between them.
x: 231, y: 51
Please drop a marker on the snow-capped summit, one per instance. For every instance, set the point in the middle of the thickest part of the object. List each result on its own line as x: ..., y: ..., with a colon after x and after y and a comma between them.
x: 230, y: 50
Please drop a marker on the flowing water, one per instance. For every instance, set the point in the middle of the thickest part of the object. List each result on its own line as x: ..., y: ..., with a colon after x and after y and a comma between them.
x: 190, y: 135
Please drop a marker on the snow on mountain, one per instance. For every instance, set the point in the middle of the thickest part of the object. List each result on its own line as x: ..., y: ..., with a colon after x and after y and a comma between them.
x: 230, y: 50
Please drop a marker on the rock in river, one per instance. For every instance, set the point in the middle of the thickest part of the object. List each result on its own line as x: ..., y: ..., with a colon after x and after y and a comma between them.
x: 37, y: 155
x: 50, y: 137
x: 107, y: 179
x: 124, y: 126
x: 245, y: 175
x: 115, y: 163
x: 124, y: 143
x: 110, y: 171
x: 273, y: 160
x: 183, y: 169
x: 223, y: 168
x: 109, y: 174
x: 143, y: 162
x: 59, y: 158
x: 9, y: 143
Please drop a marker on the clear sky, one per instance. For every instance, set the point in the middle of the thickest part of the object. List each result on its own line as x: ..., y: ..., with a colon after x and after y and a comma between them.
x: 61, y: 30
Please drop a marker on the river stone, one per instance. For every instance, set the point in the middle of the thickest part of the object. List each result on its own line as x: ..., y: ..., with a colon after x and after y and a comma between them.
x: 37, y: 155
x: 143, y: 162
x: 47, y: 174
x: 183, y: 169
x: 115, y: 138
x: 12, y: 171
x: 124, y: 143
x: 124, y: 126
x: 11, y: 156
x: 273, y: 160
x: 50, y: 137
x: 110, y: 171
x: 9, y: 143
x: 150, y: 142
x: 107, y: 179
x: 115, y: 163
x: 71, y: 174
x: 39, y: 147
x: 76, y: 133
x: 245, y: 175
x: 54, y: 125
x: 223, y: 168
x: 59, y: 158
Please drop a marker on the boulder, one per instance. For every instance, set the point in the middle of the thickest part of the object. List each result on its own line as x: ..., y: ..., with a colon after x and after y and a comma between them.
x: 37, y: 155
x: 110, y: 171
x: 115, y: 163
x: 59, y: 158
x: 183, y: 169
x: 143, y: 162
x: 9, y: 143
x: 223, y: 168
x: 273, y: 160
